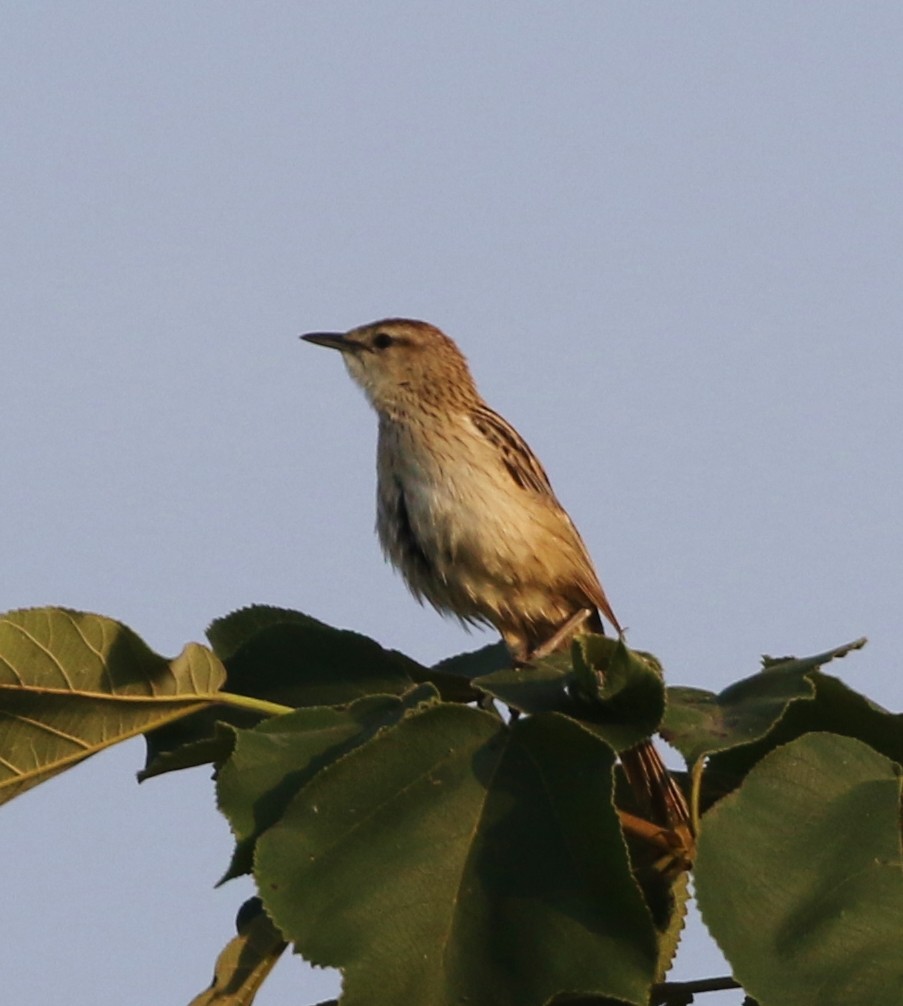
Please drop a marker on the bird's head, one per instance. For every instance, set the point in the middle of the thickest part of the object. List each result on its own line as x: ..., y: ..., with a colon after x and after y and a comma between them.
x: 402, y: 363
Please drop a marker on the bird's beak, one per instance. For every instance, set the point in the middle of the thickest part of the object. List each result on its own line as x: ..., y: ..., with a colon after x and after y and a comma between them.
x: 334, y: 340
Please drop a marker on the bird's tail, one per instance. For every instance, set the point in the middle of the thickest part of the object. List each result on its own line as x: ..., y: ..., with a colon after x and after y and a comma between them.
x: 653, y: 787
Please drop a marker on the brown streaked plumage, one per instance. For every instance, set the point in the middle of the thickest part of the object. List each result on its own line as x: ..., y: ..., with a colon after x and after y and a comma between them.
x: 465, y: 510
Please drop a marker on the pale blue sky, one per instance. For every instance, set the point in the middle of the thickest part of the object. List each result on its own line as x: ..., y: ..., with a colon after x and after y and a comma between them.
x: 668, y: 237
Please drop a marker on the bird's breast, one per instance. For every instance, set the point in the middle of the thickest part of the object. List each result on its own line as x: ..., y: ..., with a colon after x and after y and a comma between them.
x: 467, y: 514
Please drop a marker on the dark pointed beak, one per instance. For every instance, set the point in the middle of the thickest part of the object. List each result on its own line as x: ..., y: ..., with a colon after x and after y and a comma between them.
x: 334, y: 340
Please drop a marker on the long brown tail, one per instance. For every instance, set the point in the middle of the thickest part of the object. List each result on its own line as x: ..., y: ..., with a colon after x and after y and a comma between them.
x: 658, y: 794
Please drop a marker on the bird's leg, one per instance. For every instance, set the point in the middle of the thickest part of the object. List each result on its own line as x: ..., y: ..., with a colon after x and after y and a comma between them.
x: 562, y: 633
x: 676, y: 849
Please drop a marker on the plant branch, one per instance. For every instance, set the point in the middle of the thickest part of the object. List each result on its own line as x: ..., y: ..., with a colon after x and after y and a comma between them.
x: 681, y: 993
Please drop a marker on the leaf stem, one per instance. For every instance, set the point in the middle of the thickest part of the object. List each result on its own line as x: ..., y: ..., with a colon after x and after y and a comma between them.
x: 253, y: 705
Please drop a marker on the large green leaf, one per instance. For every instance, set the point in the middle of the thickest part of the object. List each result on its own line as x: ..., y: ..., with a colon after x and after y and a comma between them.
x: 454, y: 675
x: 475, y: 663
x: 199, y: 743
x: 698, y: 722
x: 789, y: 698
x: 299, y: 661
x: 369, y: 660
x: 271, y: 762
x: 456, y: 859
x: 799, y: 876
x: 540, y: 687
x: 600, y: 681
x: 73, y: 683
x: 835, y: 708
x: 229, y: 633
x: 286, y: 657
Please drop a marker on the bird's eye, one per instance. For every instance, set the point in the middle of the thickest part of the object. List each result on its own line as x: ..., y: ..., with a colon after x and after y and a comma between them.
x: 382, y: 339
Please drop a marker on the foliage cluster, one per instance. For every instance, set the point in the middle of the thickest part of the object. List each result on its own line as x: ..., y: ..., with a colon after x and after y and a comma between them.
x: 402, y: 826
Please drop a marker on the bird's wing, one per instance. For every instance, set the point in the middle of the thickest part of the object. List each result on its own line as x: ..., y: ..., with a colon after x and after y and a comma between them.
x: 521, y: 462
x: 524, y: 467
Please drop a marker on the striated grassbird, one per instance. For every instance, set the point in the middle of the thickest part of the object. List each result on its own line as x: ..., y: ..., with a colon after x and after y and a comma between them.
x: 467, y: 514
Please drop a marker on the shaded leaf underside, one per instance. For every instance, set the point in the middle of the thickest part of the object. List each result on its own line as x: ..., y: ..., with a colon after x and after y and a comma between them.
x: 73, y: 683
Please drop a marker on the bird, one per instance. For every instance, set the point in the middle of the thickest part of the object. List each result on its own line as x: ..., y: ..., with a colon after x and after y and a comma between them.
x: 467, y: 514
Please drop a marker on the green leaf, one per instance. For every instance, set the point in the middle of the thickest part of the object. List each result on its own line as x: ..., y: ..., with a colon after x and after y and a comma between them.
x: 172, y: 750
x: 669, y: 941
x: 455, y: 859
x: 286, y: 657
x: 799, y: 876
x: 245, y: 961
x: 73, y: 683
x: 302, y: 662
x: 475, y: 663
x: 453, y: 675
x: 535, y: 688
x: 616, y: 691
x: 834, y: 708
x: 624, y: 686
x: 752, y: 717
x: 228, y: 634
x: 270, y: 763
x: 699, y: 722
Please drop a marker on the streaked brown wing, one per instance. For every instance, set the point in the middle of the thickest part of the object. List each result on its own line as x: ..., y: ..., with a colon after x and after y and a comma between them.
x: 521, y: 462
